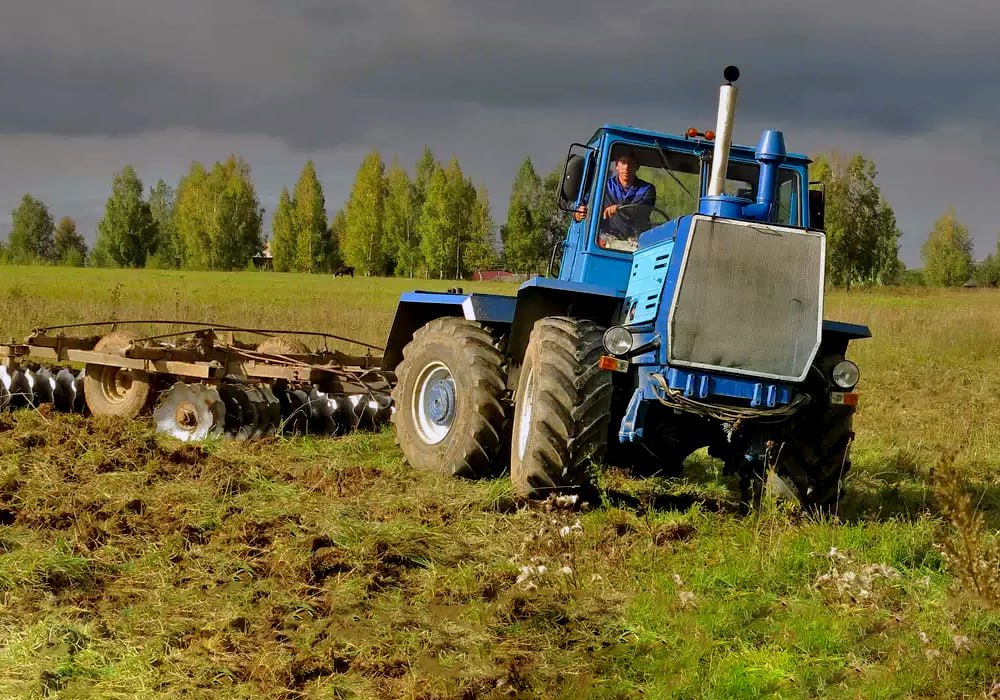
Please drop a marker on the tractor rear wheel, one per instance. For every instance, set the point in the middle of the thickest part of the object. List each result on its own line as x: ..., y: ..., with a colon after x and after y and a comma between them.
x: 562, y: 410
x: 114, y: 391
x: 450, y: 413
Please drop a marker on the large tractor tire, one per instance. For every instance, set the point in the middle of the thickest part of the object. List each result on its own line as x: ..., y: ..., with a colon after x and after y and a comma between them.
x: 114, y: 391
x: 450, y: 414
x: 815, y: 457
x: 562, y: 411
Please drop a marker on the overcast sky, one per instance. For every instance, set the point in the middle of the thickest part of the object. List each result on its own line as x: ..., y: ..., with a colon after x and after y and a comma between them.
x: 89, y: 86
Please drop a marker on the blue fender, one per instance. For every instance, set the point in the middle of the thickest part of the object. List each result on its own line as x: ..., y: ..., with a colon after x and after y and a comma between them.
x: 536, y: 298
x: 417, y: 308
x: 837, y: 334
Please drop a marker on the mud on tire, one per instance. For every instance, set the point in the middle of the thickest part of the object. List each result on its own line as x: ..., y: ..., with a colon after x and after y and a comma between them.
x: 450, y: 412
x: 563, y: 409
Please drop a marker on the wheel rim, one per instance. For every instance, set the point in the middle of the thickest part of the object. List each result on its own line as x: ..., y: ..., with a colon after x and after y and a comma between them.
x: 524, y: 423
x: 117, y: 384
x: 434, y: 403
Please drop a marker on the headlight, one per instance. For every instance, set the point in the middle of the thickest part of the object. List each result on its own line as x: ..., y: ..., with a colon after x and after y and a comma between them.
x: 617, y: 340
x: 845, y: 374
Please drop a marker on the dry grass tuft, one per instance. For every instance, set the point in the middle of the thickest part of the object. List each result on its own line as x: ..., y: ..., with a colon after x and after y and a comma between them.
x: 974, y: 557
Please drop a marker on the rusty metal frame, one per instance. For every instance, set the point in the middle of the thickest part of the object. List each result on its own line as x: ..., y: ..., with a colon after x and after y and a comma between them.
x: 200, y: 357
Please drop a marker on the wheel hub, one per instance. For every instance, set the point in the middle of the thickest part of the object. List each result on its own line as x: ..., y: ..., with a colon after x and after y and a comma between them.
x: 186, y: 416
x: 435, y: 403
x: 441, y: 401
x: 117, y: 388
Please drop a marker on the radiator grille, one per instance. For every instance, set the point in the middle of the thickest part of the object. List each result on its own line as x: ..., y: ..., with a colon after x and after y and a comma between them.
x: 749, y: 299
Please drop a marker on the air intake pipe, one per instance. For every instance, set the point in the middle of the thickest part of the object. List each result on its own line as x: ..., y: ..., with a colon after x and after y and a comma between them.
x: 770, y: 154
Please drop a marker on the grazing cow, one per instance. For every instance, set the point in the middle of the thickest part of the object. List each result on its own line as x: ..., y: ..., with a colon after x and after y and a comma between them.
x: 343, y: 270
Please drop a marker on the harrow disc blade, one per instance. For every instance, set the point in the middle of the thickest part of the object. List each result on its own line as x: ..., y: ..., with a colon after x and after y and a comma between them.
x: 294, y: 411
x: 321, y: 411
x: 352, y: 409
x: 64, y: 391
x: 80, y: 403
x: 190, y: 412
x: 4, y: 389
x: 297, y: 419
x: 241, y: 414
x: 272, y: 411
x: 21, y: 389
x: 42, y: 386
x: 379, y: 409
x: 261, y: 411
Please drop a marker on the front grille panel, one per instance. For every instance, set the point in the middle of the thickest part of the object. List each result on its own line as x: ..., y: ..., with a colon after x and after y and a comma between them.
x: 749, y: 299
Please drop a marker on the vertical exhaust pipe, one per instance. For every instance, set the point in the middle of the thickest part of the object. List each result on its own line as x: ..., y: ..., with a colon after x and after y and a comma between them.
x: 723, y: 131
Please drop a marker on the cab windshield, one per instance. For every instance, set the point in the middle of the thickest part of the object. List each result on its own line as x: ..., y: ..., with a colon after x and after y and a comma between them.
x: 644, y: 187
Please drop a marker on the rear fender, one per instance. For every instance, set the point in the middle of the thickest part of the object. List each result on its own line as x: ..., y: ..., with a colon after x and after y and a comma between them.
x: 416, y: 309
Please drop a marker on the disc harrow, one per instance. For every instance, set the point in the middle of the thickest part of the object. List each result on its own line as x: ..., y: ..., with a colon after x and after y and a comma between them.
x: 200, y: 384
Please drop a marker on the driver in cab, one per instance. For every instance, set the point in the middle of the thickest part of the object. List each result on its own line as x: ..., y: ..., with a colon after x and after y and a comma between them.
x: 628, y: 202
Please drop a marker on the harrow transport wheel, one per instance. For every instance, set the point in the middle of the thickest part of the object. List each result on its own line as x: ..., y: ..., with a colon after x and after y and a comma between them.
x: 283, y: 345
x: 450, y: 415
x: 562, y: 409
x: 815, y: 457
x: 113, y: 391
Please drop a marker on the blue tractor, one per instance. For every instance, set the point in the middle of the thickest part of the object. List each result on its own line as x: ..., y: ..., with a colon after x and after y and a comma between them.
x: 688, y: 316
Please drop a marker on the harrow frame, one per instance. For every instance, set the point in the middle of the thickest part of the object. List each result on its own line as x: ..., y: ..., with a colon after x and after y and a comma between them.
x: 211, y: 355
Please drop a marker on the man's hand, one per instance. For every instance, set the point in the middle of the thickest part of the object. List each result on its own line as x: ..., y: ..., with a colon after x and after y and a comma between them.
x: 581, y: 211
x: 610, y: 211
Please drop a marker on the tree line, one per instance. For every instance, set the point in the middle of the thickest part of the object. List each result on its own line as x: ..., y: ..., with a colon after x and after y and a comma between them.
x: 435, y: 222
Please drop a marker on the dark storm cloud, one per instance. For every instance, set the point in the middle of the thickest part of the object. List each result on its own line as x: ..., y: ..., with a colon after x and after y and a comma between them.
x: 309, y: 72
x: 90, y: 86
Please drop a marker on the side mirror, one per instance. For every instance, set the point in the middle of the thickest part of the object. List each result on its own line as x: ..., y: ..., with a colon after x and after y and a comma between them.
x: 575, y: 176
x: 572, y: 178
x: 817, y: 209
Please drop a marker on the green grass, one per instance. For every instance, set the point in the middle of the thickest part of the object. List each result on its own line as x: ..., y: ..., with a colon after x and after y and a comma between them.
x: 357, y: 308
x: 133, y: 567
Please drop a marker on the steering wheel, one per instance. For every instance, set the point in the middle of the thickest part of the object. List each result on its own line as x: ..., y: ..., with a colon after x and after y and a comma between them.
x: 665, y: 215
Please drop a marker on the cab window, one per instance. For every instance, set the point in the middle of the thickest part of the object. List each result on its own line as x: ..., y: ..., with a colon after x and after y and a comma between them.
x: 742, y: 179
x: 642, y: 189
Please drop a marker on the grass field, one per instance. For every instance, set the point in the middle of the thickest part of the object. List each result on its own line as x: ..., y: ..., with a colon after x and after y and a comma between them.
x: 131, y: 566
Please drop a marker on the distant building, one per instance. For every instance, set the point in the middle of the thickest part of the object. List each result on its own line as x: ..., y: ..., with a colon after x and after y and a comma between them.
x: 497, y: 276
x: 264, y: 260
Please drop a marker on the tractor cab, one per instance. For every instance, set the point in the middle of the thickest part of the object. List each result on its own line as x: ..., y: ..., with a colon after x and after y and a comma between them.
x: 673, y: 172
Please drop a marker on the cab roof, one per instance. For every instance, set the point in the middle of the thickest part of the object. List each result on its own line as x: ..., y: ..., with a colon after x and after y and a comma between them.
x: 742, y: 151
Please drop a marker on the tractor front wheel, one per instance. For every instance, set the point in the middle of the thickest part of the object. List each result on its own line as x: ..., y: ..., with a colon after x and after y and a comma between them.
x: 562, y: 411
x: 450, y: 414
x: 815, y: 457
